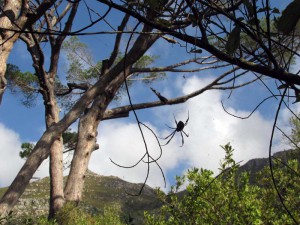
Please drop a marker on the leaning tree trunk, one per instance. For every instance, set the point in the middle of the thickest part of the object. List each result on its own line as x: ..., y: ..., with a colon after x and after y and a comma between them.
x: 41, y: 149
x: 89, y: 122
x: 86, y: 143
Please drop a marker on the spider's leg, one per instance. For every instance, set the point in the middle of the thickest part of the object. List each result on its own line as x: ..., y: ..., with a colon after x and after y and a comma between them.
x: 185, y: 133
x: 186, y: 122
x: 169, y: 139
x: 169, y: 135
x: 175, y: 119
x: 170, y: 127
x: 182, y: 139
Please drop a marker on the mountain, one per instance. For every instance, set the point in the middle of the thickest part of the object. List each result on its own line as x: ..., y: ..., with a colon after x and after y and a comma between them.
x: 100, y: 191
x: 255, y: 165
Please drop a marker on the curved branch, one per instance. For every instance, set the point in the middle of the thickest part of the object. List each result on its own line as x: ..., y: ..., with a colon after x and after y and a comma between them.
x: 112, y: 113
x: 244, y: 64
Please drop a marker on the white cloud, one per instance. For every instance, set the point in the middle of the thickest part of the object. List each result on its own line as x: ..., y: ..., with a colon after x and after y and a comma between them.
x: 10, y: 162
x: 9, y: 155
x: 208, y: 128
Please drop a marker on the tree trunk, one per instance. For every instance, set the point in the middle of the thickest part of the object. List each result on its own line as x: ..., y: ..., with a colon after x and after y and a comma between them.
x: 47, y: 86
x: 42, y: 148
x: 14, y: 16
x: 89, y: 123
x: 56, y: 177
x: 56, y: 157
x: 87, y: 134
x: 7, y: 38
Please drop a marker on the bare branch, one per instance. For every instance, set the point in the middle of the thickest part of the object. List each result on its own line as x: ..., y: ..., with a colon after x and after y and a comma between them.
x: 83, y: 86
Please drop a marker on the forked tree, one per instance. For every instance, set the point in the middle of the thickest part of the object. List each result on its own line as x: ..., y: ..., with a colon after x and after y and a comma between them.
x: 248, y: 38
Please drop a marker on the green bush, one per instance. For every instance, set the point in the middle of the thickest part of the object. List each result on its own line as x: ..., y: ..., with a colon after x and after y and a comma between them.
x: 229, y: 198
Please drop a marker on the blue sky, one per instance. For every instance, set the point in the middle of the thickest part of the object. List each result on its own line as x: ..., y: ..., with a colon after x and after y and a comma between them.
x: 208, y: 128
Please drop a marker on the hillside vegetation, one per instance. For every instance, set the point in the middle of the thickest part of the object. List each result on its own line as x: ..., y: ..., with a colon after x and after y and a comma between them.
x: 238, y: 195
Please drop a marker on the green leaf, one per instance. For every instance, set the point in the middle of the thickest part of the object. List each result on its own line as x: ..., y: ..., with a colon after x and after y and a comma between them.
x: 26, y: 150
x: 253, y: 21
x: 276, y: 11
x: 290, y: 16
x: 283, y: 86
x: 262, y: 9
x: 233, y: 41
x: 249, y: 8
x: 297, y: 94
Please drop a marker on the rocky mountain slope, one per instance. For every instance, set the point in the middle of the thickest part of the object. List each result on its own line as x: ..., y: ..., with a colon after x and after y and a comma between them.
x: 100, y: 191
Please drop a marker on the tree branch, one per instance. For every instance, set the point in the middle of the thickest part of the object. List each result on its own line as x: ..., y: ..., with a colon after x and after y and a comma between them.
x: 124, y: 110
x: 287, y: 77
x: 72, y: 86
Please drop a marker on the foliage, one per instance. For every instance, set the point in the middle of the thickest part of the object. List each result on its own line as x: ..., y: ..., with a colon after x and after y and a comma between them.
x: 26, y: 150
x: 229, y: 198
x: 6, y: 219
x: 69, y: 141
x: 287, y: 179
x: 82, y: 68
x: 144, y: 62
x: 24, y: 83
x: 295, y: 131
x: 72, y: 215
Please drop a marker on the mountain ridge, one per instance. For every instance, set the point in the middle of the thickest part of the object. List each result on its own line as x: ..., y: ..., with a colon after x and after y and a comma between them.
x: 101, y: 191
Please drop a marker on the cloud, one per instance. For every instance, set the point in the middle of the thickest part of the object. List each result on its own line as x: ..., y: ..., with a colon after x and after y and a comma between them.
x: 9, y: 155
x: 121, y: 141
x: 208, y: 128
x: 10, y: 161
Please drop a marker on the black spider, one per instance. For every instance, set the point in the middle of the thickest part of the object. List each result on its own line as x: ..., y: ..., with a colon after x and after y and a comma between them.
x: 179, y: 128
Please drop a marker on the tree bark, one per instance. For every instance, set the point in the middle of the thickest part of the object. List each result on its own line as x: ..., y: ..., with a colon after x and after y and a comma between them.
x: 47, y: 86
x: 14, y: 17
x: 87, y: 137
x: 56, y: 158
x: 87, y: 129
x: 47, y: 89
x: 7, y: 38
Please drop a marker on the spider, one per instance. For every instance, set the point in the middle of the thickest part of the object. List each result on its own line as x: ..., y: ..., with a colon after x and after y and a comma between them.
x: 179, y: 128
